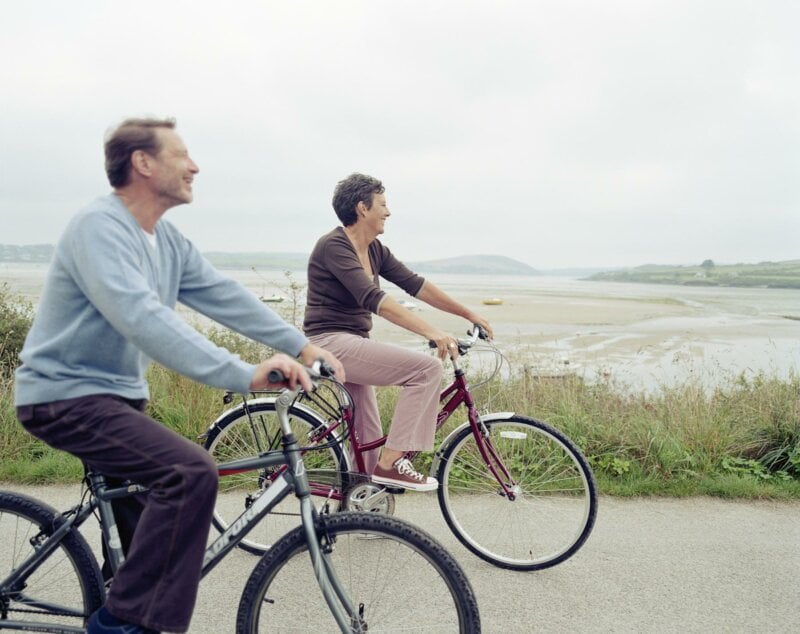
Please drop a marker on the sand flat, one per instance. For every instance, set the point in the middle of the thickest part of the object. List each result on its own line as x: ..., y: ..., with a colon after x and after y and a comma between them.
x: 640, y: 334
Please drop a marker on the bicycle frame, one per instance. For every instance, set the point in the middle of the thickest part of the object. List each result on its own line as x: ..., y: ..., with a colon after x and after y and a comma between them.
x: 292, y: 479
x: 462, y: 395
x: 481, y: 460
x: 451, y: 398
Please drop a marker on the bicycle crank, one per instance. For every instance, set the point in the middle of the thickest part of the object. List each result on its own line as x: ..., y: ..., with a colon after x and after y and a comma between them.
x: 369, y: 497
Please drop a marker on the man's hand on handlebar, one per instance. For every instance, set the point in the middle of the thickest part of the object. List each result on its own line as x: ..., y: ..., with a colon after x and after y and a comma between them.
x: 293, y: 371
x: 311, y: 353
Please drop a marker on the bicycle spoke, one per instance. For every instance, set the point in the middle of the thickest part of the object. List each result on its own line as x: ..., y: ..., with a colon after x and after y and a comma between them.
x: 550, y: 507
x: 398, y: 579
x: 65, y: 587
x: 240, y: 436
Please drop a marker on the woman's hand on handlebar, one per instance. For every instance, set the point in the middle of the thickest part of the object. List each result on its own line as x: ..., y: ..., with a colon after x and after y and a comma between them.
x: 483, y: 323
x: 445, y: 344
x: 293, y: 371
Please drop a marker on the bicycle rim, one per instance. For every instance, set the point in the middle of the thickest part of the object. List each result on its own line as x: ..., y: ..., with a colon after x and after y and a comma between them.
x: 555, y: 500
x: 65, y: 588
x: 397, y: 576
x: 240, y: 437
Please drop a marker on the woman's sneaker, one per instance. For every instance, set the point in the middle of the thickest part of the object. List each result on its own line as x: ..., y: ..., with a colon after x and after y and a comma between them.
x: 402, y: 474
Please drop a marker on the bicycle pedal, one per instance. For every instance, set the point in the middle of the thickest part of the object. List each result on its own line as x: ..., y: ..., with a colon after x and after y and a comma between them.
x: 394, y: 490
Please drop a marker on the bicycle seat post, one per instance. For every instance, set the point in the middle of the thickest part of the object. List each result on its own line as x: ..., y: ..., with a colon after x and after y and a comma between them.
x: 108, y: 524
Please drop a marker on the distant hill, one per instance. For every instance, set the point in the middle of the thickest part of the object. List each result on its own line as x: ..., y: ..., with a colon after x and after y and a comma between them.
x: 467, y: 264
x: 572, y: 271
x: 270, y: 261
x: 475, y: 265
x: 784, y: 274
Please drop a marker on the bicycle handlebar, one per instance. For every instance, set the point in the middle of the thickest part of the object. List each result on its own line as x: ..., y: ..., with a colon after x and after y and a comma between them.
x: 319, y: 369
x: 475, y: 333
x: 478, y: 332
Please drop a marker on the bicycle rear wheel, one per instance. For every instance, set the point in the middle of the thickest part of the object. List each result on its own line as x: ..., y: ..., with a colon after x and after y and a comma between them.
x: 555, y: 497
x: 240, y: 436
x: 396, y: 575
x: 65, y: 588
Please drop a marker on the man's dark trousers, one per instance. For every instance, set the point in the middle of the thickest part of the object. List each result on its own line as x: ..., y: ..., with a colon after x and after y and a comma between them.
x: 157, y: 584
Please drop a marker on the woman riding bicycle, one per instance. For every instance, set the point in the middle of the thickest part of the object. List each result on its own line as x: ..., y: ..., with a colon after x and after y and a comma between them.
x: 344, y: 273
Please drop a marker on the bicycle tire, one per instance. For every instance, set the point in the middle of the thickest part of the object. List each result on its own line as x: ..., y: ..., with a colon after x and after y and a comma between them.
x: 397, y: 574
x: 556, y: 497
x: 233, y: 436
x: 69, y: 577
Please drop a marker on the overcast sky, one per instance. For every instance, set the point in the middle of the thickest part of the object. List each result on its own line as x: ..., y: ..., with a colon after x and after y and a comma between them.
x: 561, y: 133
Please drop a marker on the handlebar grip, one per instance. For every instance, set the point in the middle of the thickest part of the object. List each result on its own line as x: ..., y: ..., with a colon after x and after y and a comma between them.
x: 432, y: 345
x: 319, y: 368
x: 325, y: 369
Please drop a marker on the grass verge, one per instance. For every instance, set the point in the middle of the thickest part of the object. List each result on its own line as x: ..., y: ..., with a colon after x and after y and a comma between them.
x: 740, y: 441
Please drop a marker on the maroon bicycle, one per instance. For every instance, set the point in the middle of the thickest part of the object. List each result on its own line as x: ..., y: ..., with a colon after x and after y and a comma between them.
x: 515, y: 491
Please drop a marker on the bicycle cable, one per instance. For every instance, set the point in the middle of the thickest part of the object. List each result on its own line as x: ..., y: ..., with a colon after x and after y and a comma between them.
x: 499, y: 360
x: 331, y: 402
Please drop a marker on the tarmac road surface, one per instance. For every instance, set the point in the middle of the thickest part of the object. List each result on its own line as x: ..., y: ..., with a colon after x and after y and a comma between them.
x: 650, y: 565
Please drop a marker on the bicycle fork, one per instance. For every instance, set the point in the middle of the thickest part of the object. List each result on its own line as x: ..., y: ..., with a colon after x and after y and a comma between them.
x: 493, y: 460
x: 319, y: 543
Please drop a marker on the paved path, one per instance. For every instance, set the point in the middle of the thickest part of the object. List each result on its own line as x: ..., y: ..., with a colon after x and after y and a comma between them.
x: 651, y: 565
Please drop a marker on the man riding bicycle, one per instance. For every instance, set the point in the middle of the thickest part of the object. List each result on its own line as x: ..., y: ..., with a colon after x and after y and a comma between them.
x: 106, y: 310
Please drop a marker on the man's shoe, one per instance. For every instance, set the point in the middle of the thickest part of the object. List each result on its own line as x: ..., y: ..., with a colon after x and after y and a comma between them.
x: 103, y: 622
x: 402, y: 474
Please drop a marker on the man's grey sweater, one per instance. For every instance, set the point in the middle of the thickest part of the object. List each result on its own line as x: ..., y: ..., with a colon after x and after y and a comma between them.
x: 107, y: 308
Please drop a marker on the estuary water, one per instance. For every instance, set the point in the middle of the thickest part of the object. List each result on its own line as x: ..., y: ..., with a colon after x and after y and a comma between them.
x: 641, y: 336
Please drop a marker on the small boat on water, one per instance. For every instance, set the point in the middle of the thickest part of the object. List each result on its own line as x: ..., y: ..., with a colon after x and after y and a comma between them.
x: 407, y: 304
x: 492, y: 301
x: 272, y: 299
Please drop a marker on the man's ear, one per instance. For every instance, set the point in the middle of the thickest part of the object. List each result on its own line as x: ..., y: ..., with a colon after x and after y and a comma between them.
x: 141, y: 161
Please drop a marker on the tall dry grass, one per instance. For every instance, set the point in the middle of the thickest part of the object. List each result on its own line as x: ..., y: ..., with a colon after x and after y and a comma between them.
x: 680, y: 439
x: 742, y: 439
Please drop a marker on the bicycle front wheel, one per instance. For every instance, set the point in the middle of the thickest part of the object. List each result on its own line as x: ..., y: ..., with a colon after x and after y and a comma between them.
x: 63, y: 589
x: 241, y: 436
x: 553, y: 501
x: 396, y: 576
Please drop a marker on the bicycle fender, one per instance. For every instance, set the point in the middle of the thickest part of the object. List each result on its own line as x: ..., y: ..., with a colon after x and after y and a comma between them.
x: 239, y: 410
x: 440, y: 453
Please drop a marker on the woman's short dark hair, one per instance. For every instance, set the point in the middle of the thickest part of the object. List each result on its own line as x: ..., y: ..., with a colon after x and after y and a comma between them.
x: 128, y: 137
x: 352, y: 190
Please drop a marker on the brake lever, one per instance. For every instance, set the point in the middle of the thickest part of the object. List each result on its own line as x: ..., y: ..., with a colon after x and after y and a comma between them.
x: 478, y: 332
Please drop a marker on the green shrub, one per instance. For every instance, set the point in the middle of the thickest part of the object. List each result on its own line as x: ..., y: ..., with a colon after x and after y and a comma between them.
x: 249, y: 350
x: 16, y: 316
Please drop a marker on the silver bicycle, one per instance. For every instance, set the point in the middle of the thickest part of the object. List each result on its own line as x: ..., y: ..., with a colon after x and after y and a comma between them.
x: 348, y: 572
